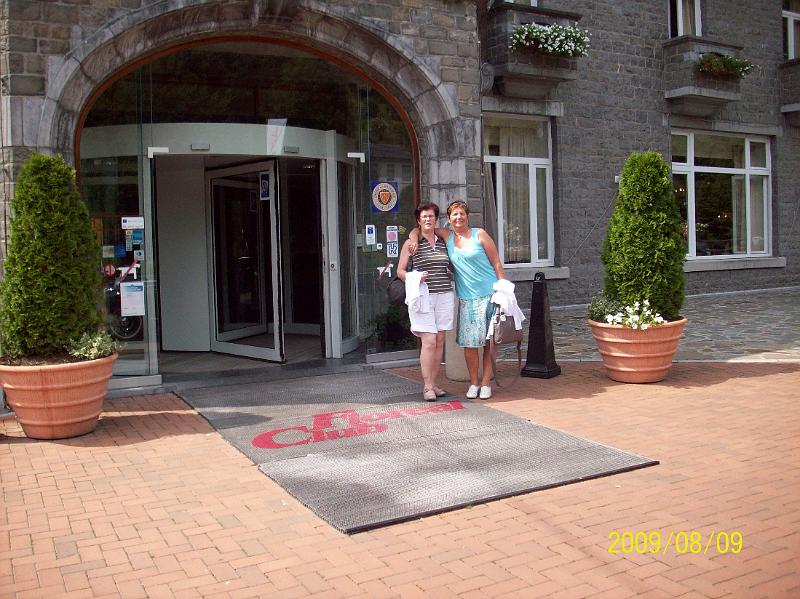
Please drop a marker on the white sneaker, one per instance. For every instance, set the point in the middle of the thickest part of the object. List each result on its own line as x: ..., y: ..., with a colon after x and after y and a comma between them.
x: 486, y: 392
x: 472, y: 392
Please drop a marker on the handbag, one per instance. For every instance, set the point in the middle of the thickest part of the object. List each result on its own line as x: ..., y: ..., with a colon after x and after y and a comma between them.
x: 503, y: 331
x: 396, y: 291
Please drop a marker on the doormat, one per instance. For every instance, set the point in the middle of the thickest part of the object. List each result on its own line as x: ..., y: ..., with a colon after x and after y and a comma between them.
x: 362, y: 451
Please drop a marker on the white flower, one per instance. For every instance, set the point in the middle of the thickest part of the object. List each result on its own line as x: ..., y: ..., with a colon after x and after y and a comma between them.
x: 636, y: 316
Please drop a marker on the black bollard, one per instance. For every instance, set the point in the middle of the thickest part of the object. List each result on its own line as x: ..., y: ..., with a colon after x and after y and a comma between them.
x: 541, y: 360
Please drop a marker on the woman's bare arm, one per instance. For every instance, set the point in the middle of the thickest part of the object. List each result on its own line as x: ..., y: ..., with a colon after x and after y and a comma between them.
x: 491, y: 252
x: 415, y: 234
x: 402, y: 263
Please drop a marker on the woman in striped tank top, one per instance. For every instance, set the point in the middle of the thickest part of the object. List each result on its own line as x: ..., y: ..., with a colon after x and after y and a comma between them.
x: 477, y: 265
x: 432, y: 262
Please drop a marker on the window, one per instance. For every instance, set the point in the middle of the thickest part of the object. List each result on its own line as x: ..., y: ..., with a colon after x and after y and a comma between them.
x: 517, y: 153
x: 791, y: 29
x: 684, y: 18
x: 722, y: 184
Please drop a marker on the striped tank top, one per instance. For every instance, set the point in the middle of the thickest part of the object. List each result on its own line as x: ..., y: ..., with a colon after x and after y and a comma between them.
x: 434, y: 260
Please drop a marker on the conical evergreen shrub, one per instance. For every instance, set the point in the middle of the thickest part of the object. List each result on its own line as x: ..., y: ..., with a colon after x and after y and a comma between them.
x: 644, y: 248
x: 50, y: 293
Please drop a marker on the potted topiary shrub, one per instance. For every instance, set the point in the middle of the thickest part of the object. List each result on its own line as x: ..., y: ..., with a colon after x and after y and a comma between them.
x: 636, y: 321
x: 56, y: 356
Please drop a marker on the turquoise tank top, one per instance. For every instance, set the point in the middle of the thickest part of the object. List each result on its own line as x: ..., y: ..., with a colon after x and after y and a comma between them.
x: 474, y: 273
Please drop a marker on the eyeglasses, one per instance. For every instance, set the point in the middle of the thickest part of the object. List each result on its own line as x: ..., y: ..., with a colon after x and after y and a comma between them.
x: 427, y: 217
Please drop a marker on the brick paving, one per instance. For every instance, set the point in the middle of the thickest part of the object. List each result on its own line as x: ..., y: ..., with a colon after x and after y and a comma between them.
x: 156, y: 504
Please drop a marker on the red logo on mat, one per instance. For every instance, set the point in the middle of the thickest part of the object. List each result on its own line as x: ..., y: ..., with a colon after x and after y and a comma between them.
x: 324, y: 426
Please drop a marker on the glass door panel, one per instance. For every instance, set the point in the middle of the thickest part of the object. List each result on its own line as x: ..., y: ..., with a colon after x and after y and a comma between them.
x: 238, y: 235
x: 244, y: 265
x: 347, y: 272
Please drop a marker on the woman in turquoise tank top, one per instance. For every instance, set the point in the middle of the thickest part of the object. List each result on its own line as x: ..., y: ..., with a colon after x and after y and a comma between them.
x: 477, y: 266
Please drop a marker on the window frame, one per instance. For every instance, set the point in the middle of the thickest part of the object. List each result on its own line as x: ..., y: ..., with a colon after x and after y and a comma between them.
x: 790, y: 17
x: 533, y: 165
x: 676, y: 9
x: 690, y: 169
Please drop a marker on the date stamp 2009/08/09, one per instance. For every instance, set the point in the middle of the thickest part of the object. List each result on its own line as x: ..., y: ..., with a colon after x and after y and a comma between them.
x: 681, y: 542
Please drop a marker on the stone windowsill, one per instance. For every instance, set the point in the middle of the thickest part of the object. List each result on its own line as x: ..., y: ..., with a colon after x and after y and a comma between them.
x: 713, y: 264
x: 700, y: 45
x: 526, y: 273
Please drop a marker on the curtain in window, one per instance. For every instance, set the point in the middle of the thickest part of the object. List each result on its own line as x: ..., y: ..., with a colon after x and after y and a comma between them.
x: 490, y: 203
x: 758, y: 233
x: 689, y: 25
x: 516, y: 195
x: 739, y: 225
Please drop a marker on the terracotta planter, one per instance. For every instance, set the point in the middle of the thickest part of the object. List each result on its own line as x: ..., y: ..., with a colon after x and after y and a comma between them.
x: 60, y: 400
x: 635, y: 355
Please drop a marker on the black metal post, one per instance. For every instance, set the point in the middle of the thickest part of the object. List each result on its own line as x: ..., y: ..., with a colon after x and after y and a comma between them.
x: 541, y: 359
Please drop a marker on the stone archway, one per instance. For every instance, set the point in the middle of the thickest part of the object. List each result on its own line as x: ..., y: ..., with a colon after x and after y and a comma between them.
x: 446, y: 140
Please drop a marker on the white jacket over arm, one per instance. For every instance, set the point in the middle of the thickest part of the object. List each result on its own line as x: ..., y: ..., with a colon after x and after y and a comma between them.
x: 417, y: 295
x: 504, y: 297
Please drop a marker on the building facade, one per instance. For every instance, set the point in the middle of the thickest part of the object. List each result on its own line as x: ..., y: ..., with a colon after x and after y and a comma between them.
x: 252, y: 166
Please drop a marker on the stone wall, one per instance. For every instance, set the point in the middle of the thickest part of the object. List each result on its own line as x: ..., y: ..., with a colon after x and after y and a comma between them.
x: 55, y: 52
x: 617, y: 105
x: 424, y: 54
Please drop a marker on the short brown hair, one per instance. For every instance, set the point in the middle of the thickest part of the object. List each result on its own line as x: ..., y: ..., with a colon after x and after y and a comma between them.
x: 425, y: 206
x: 457, y: 204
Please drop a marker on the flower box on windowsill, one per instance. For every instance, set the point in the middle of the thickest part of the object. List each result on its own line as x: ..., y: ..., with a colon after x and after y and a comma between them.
x: 526, y: 73
x: 790, y: 91
x: 689, y: 92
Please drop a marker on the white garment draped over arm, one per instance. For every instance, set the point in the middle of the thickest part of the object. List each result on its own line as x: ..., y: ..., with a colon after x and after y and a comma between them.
x: 417, y: 296
x: 504, y: 297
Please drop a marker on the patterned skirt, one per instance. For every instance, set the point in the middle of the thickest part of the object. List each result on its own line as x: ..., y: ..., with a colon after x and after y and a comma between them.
x: 473, y: 321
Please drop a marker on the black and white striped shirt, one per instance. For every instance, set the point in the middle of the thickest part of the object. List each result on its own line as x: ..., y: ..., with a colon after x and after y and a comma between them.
x: 434, y: 260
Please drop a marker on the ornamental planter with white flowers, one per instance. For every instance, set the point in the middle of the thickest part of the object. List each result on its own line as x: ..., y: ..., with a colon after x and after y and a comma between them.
x: 555, y: 39
x: 531, y: 50
x: 56, y: 357
x: 636, y: 322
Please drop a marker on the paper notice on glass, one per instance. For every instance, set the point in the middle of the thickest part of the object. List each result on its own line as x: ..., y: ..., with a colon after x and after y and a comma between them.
x: 276, y: 129
x: 131, y: 299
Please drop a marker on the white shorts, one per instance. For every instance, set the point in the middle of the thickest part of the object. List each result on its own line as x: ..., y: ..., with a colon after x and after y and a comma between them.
x: 440, y: 318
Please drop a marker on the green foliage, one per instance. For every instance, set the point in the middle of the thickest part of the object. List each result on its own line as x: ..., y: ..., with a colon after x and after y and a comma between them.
x: 644, y: 249
x: 391, y: 330
x: 601, y: 306
x: 722, y: 65
x: 92, y: 346
x: 50, y: 292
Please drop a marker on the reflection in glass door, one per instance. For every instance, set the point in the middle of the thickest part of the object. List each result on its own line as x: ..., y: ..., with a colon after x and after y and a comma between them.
x: 347, y: 272
x: 244, y: 265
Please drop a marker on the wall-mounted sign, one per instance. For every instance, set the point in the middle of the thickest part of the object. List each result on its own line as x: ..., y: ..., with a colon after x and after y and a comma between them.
x: 384, y: 196
x: 369, y: 233
x: 131, y: 297
x: 263, y: 185
x: 391, y: 233
x: 133, y: 222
